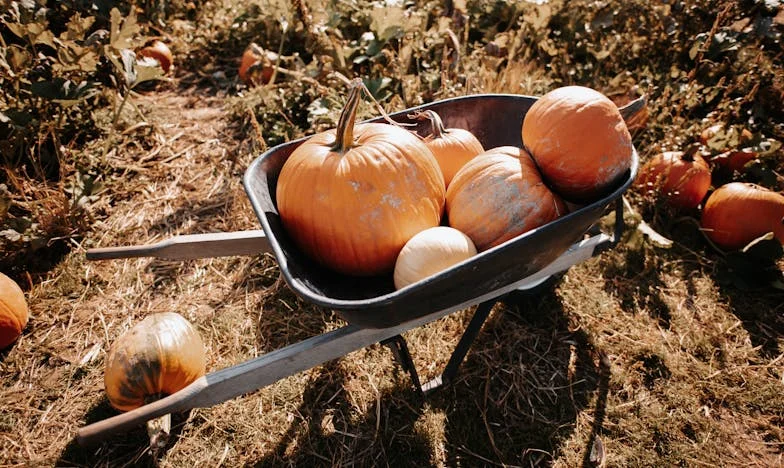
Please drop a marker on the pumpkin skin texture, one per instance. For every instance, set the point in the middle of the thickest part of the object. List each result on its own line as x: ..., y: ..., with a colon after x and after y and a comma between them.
x: 452, y: 147
x: 499, y: 195
x: 13, y: 311
x: 350, y: 198
x: 429, y: 252
x: 579, y: 141
x: 159, y: 51
x: 158, y: 356
x: 682, y: 178
x: 737, y: 213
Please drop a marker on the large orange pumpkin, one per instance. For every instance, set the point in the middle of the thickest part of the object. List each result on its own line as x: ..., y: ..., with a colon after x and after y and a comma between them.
x: 452, y: 147
x: 499, y: 195
x: 13, y: 311
x: 158, y: 356
x: 350, y: 198
x: 737, y: 213
x: 580, y: 142
x: 682, y: 178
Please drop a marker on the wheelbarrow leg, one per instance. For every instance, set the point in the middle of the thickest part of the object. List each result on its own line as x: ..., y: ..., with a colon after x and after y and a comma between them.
x: 400, y: 350
x: 402, y: 355
x: 461, y: 350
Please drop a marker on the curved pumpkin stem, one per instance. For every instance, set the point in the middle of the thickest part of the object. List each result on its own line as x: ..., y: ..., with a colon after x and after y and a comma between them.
x: 344, y: 134
x: 634, y: 108
x: 435, y: 121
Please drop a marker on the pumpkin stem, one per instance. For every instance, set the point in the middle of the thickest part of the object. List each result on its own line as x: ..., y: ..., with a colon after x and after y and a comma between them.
x: 634, y: 108
x: 344, y: 134
x: 435, y: 121
x: 688, y: 155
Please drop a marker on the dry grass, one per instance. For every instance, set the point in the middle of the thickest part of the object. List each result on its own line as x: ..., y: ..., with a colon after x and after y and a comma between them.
x: 640, y: 353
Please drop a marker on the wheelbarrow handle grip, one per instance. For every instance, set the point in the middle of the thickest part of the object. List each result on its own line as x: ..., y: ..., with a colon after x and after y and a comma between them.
x: 96, y: 432
x: 219, y: 244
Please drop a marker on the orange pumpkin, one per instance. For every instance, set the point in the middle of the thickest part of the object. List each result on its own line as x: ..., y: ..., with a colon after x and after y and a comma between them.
x: 13, y: 311
x: 580, y: 142
x: 159, y: 51
x: 737, y: 213
x: 256, y: 66
x: 350, y: 198
x: 683, y: 178
x: 734, y: 160
x: 158, y: 356
x: 452, y: 147
x: 499, y: 195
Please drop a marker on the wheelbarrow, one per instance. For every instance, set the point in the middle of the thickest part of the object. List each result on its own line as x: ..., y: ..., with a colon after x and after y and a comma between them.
x: 375, y: 311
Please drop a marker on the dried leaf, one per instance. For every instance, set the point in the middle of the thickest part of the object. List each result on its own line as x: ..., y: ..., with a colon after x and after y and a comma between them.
x: 122, y: 30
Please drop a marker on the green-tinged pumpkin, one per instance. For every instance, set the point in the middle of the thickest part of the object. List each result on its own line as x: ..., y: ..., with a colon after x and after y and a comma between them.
x: 499, y: 195
x: 14, y: 313
x: 737, y: 213
x: 580, y: 142
x: 350, y: 198
x: 158, y: 356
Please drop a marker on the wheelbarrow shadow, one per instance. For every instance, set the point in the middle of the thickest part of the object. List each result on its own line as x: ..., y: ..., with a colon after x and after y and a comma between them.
x: 514, y: 401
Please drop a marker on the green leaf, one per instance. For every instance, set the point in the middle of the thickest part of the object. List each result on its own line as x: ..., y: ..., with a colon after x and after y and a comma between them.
x: 62, y: 91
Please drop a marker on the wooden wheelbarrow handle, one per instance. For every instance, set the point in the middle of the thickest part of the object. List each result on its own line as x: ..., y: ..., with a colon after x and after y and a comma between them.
x: 186, y: 247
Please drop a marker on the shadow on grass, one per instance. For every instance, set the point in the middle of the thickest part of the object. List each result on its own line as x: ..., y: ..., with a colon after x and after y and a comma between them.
x: 762, y: 314
x: 637, y: 284
x: 125, y: 449
x: 515, y: 400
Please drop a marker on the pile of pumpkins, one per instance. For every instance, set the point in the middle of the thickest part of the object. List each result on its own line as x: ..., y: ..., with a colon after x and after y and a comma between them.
x: 731, y: 216
x: 375, y: 198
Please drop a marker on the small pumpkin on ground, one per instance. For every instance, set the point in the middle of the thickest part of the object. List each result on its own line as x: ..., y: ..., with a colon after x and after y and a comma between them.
x: 158, y: 356
x: 160, y: 52
x: 452, y: 147
x: 499, y: 195
x: 580, y: 142
x: 256, y: 65
x: 737, y: 213
x: 350, y: 198
x: 430, y: 252
x: 682, y: 178
x: 14, y: 313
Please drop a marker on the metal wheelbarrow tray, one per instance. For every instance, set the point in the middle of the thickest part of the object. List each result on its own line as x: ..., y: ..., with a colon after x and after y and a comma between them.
x: 496, y: 120
x: 375, y: 311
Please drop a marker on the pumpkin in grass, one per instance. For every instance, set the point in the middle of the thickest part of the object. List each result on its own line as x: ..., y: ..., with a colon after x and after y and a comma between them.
x: 158, y: 356
x: 452, y: 147
x: 13, y: 311
x: 499, y: 195
x: 158, y: 51
x: 256, y: 65
x: 737, y: 213
x: 350, y: 198
x: 430, y: 252
x: 580, y: 142
x: 682, y: 178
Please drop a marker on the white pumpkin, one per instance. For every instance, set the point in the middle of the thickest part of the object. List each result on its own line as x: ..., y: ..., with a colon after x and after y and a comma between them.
x: 429, y: 252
